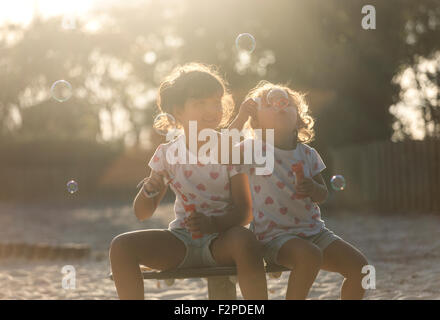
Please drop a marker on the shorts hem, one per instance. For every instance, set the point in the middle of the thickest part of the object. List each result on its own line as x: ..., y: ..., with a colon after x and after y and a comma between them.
x: 321, y: 239
x: 194, y: 258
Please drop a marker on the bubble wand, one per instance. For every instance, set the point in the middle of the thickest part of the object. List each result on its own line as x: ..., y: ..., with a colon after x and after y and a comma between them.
x: 298, y: 169
x: 189, y: 208
x: 167, y: 123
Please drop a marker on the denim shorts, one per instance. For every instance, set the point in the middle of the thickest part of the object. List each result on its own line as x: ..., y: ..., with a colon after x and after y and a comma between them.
x: 321, y: 239
x: 198, y: 253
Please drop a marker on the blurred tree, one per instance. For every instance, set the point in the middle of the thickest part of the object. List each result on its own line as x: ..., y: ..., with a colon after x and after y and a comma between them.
x: 72, y: 120
x: 429, y: 87
x: 317, y: 46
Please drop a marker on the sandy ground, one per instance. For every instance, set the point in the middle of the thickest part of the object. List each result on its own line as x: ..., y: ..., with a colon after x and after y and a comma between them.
x: 405, y: 251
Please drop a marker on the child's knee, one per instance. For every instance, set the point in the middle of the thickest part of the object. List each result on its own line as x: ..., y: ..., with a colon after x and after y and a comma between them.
x: 361, y: 262
x: 355, y: 267
x: 307, y: 256
x: 312, y: 256
x: 118, y: 245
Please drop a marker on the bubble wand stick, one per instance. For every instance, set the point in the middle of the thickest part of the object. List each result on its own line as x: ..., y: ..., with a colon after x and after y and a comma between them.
x: 298, y: 169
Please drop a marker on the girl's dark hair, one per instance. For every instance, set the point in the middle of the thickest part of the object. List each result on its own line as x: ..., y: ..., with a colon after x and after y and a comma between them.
x: 193, y: 81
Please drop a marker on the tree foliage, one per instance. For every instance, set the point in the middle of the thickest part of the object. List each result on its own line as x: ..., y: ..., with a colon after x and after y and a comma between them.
x: 316, y: 46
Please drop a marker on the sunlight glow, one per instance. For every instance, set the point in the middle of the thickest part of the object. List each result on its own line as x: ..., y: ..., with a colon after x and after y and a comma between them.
x: 22, y: 11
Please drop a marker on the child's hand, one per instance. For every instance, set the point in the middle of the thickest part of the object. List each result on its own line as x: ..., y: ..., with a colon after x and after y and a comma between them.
x: 306, y: 187
x: 248, y: 108
x: 155, y: 182
x: 198, y: 223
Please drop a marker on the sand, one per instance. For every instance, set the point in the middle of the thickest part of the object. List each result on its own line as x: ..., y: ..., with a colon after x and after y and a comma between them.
x: 404, y: 249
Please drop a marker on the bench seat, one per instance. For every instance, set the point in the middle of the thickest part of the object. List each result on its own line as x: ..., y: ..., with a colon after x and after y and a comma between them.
x: 219, y: 285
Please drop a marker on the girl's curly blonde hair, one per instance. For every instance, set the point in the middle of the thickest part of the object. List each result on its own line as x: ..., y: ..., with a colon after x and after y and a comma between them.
x: 192, y: 80
x: 305, y: 124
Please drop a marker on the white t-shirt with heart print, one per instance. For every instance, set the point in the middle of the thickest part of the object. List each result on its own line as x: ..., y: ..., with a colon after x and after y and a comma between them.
x: 205, y: 186
x: 276, y: 208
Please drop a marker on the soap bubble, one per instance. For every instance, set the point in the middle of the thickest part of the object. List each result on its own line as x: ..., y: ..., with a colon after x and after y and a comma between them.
x: 245, y: 42
x: 278, y: 98
x: 61, y: 90
x: 72, y: 186
x: 165, y: 125
x: 338, y: 182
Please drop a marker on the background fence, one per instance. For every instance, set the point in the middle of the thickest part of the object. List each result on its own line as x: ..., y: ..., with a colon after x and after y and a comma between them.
x: 382, y: 176
x: 389, y: 176
x: 40, y: 170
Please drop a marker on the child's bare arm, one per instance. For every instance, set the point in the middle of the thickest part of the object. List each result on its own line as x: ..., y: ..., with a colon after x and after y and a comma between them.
x: 320, y: 193
x: 144, y: 207
x: 314, y: 188
x: 240, y: 213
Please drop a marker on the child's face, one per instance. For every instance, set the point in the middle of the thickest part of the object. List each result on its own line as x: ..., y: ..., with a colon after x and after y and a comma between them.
x: 207, y: 112
x: 280, y: 119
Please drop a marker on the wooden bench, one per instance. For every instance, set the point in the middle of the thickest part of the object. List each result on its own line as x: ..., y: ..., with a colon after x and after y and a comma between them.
x: 220, y: 287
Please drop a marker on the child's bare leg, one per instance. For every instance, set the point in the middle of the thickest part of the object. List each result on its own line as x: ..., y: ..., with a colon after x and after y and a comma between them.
x: 157, y: 249
x: 342, y: 257
x: 304, y: 259
x: 239, y: 246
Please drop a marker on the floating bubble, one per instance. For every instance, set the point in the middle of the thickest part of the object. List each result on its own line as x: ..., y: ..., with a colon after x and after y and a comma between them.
x: 72, y: 186
x: 338, y: 182
x: 278, y: 98
x: 61, y: 90
x: 245, y: 42
x: 165, y: 125
x: 169, y: 282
